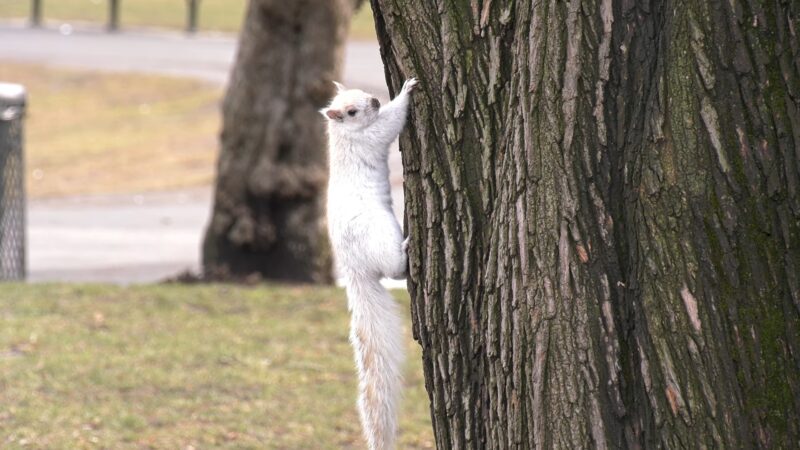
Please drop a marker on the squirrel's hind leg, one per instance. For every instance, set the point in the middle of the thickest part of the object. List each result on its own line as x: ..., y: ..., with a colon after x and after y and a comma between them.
x: 388, y: 248
x: 400, y: 270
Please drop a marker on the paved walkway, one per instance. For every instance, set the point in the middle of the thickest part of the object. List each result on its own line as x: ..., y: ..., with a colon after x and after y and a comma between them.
x: 140, y: 237
x: 116, y: 238
x: 202, y: 56
x: 130, y: 238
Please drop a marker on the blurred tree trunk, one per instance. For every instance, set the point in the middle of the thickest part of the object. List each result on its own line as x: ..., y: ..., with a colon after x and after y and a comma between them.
x: 603, y: 202
x: 268, y: 215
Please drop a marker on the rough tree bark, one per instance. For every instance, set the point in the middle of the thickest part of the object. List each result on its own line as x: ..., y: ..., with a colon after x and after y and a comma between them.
x: 268, y: 215
x: 603, y: 202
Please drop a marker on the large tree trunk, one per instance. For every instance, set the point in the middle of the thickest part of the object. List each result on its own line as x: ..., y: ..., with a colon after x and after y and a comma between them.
x: 603, y: 202
x: 269, y: 199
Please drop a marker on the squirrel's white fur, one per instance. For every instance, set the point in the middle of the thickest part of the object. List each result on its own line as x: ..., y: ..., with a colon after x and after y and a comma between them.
x: 368, y: 245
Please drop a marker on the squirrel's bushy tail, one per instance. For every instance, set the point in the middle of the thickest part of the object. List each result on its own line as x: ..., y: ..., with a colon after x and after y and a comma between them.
x: 376, y: 336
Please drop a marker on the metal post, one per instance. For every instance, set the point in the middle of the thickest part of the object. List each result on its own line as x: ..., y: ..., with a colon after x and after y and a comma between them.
x: 12, y: 189
x: 36, y: 13
x: 113, y: 15
x: 191, y: 19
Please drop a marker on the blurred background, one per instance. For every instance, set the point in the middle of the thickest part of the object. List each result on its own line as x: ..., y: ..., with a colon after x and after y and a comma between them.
x: 120, y: 134
x: 121, y: 129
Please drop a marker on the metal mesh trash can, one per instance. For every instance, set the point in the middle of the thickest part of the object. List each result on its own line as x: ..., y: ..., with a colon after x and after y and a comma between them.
x: 12, y: 189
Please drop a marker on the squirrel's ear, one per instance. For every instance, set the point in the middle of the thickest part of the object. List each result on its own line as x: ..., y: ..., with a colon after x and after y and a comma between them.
x: 339, y: 86
x: 332, y: 114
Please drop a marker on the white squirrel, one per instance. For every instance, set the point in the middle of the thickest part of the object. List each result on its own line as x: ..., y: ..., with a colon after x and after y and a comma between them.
x: 368, y: 245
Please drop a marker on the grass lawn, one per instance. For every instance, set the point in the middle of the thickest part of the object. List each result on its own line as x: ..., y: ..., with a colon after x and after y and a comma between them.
x: 214, y: 15
x: 180, y: 367
x: 93, y: 132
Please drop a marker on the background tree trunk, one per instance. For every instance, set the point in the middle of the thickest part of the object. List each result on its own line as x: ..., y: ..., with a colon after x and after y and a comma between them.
x: 603, y: 202
x: 268, y: 215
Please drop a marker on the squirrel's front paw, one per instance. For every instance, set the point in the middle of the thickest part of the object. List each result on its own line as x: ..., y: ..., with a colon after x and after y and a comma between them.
x: 408, y: 86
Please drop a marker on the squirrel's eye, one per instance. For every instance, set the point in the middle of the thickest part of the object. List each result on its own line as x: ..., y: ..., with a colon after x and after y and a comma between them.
x: 352, y: 112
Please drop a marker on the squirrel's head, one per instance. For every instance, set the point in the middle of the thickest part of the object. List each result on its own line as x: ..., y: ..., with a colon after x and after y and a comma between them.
x: 351, y: 108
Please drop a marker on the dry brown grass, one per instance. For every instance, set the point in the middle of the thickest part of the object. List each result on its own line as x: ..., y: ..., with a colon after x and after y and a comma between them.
x: 215, y: 15
x: 90, y: 132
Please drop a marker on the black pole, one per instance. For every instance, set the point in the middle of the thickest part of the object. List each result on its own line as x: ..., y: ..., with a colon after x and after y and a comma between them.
x: 191, y: 19
x: 36, y: 13
x: 113, y: 15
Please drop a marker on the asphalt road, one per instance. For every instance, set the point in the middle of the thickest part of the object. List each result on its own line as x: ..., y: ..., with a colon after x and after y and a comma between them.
x: 202, y: 56
x: 133, y: 238
x: 141, y: 237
